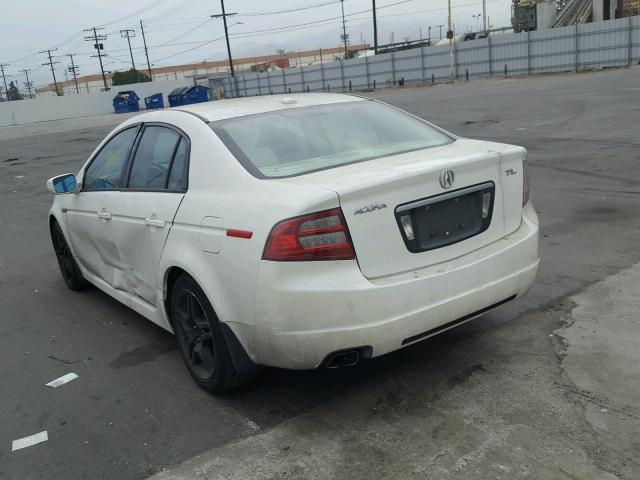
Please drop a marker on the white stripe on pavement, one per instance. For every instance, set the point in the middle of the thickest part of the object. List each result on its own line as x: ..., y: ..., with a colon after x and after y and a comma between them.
x: 62, y: 380
x: 29, y: 441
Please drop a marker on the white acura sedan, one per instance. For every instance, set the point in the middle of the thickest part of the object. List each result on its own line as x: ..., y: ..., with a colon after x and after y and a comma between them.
x: 296, y: 231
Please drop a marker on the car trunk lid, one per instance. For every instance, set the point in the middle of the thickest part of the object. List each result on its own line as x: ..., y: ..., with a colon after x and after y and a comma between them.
x: 447, y: 222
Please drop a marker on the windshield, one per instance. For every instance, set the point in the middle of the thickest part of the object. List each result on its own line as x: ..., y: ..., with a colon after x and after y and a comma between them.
x: 301, y: 140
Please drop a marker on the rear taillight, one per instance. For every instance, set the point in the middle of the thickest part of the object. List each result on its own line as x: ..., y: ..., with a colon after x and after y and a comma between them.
x: 526, y: 187
x: 316, y: 236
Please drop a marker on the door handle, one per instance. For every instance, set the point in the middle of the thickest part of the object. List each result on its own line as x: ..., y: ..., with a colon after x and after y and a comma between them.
x: 104, y: 215
x: 154, y: 222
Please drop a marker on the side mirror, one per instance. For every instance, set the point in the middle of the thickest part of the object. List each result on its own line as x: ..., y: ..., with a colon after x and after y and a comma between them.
x: 62, y: 184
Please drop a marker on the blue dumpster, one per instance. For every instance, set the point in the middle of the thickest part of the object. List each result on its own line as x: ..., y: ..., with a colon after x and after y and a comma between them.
x: 196, y: 94
x: 154, y: 101
x: 126, y: 101
x: 176, y: 97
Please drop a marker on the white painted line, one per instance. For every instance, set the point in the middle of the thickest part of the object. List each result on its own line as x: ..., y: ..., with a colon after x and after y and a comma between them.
x: 62, y: 380
x: 29, y: 441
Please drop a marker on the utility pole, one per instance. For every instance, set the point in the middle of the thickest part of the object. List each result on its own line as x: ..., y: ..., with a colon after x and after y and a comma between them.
x: 96, y: 39
x: 27, y: 83
x: 73, y: 68
x: 440, y: 34
x: 344, y: 35
x: 51, y: 63
x: 429, y: 36
x: 146, y: 51
x: 450, y: 37
x: 375, y: 30
x: 224, y: 16
x: 6, y: 90
x: 128, y: 33
x: 484, y: 15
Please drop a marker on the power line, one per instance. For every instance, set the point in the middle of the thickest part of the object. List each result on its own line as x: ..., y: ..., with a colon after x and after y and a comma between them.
x: 317, y: 21
x: 277, y: 29
x: 277, y: 12
x: 184, y: 34
x: 51, y: 63
x: 208, y: 42
x: 175, y: 8
x: 135, y: 14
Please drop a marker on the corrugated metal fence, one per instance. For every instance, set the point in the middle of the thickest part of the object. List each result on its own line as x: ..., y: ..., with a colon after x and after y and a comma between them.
x: 613, y: 43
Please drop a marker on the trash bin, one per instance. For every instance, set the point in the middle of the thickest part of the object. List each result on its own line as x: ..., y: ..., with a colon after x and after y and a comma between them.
x: 154, y: 101
x: 196, y: 94
x: 176, y: 96
x: 126, y: 101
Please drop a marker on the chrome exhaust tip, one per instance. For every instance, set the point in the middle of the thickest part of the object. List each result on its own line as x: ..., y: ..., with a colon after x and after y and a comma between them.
x: 343, y: 359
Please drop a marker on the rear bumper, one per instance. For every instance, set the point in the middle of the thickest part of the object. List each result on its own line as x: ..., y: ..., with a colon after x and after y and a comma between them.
x: 306, y: 310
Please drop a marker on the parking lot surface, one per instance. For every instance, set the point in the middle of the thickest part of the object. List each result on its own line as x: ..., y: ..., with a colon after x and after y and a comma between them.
x: 544, y: 388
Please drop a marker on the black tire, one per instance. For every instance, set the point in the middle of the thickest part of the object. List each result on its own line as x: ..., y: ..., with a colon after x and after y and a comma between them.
x: 200, y: 338
x: 68, y: 267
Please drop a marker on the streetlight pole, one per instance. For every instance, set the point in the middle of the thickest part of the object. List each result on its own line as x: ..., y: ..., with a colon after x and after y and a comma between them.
x: 440, y: 34
x: 429, y: 36
x: 477, y: 19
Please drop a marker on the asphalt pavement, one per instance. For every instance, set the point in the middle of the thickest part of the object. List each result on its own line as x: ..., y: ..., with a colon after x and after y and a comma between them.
x: 509, y: 395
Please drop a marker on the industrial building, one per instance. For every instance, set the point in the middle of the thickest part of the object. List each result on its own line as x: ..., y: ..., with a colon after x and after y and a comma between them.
x: 204, y: 70
x: 528, y: 15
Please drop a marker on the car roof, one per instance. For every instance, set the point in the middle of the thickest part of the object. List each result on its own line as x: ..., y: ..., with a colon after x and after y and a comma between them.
x: 239, y: 107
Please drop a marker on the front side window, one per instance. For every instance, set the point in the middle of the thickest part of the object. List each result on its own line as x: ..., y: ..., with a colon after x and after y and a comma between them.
x: 106, y: 170
x: 152, y: 160
x: 296, y: 141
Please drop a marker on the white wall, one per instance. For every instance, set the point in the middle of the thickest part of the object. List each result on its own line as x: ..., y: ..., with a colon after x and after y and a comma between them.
x: 54, y: 108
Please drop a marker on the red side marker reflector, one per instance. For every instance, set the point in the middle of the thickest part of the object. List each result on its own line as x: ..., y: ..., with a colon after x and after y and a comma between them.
x: 239, y: 233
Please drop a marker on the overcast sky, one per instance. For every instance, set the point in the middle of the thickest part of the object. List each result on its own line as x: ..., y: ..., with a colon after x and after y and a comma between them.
x: 178, y: 30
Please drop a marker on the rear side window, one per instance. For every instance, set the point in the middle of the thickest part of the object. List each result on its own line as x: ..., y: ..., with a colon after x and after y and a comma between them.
x: 296, y: 141
x: 106, y: 169
x: 178, y: 177
x: 152, y: 161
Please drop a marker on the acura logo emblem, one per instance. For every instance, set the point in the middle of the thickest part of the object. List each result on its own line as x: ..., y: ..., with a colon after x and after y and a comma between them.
x: 446, y: 179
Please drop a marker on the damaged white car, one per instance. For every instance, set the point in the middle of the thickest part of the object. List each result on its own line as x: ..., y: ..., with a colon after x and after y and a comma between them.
x: 296, y: 231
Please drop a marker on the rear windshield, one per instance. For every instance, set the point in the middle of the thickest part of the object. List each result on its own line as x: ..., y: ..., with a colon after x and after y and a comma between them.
x: 302, y: 140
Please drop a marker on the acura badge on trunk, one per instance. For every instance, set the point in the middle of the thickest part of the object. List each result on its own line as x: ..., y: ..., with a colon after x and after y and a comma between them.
x: 446, y: 179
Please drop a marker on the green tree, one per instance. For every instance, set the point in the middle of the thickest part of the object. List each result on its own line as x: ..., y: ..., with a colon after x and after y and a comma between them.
x: 129, y: 76
x: 14, y: 93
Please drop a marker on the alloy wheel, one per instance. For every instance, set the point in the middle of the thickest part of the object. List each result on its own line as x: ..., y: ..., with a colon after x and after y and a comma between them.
x: 194, y: 334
